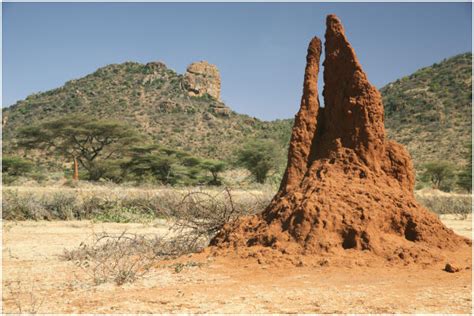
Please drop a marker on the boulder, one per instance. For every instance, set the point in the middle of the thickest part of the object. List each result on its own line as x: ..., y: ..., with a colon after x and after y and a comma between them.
x: 201, y: 79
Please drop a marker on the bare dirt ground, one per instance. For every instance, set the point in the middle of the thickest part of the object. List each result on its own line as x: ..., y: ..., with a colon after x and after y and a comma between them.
x: 35, y: 279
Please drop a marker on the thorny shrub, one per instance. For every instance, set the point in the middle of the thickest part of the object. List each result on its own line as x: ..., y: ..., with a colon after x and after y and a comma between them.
x: 196, y: 217
x: 24, y: 295
x: 120, y: 258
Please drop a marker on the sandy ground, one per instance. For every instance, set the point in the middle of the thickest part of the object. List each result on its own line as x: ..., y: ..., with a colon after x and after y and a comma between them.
x: 35, y: 279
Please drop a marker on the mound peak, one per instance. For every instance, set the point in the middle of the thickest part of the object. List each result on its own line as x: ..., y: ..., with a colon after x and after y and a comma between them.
x: 347, y: 190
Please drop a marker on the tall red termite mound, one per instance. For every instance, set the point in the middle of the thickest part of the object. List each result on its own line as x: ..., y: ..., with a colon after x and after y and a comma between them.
x: 347, y: 190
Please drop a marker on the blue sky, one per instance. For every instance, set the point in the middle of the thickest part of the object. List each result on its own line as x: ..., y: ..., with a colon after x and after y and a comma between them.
x: 259, y: 48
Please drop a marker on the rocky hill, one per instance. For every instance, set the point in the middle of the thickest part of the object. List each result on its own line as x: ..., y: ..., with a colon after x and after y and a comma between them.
x: 181, y: 111
x: 428, y: 111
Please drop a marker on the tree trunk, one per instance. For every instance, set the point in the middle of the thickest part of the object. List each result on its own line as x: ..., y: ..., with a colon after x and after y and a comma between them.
x: 75, y: 177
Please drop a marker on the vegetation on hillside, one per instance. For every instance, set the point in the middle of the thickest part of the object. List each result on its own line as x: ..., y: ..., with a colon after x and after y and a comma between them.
x: 465, y: 175
x: 111, y: 151
x: 152, y: 99
x: 430, y: 111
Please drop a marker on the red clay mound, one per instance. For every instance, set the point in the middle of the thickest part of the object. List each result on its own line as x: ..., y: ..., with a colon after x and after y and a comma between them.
x: 347, y: 190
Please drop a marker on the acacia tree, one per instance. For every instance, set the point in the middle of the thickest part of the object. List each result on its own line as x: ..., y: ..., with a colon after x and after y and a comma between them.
x: 259, y: 157
x: 440, y: 174
x: 13, y: 167
x: 214, y: 167
x: 152, y: 160
x: 80, y: 138
x: 170, y: 166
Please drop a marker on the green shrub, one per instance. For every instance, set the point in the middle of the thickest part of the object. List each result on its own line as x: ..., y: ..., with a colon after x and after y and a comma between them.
x: 14, y: 167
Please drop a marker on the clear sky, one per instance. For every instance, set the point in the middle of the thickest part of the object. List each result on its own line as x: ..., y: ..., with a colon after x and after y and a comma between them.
x: 259, y: 49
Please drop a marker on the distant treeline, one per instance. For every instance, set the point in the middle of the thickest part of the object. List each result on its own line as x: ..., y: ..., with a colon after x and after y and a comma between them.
x: 114, y: 151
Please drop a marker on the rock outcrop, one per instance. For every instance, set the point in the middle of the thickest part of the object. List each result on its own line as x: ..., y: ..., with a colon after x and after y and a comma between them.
x: 220, y: 109
x: 347, y: 190
x: 4, y: 119
x: 202, y: 78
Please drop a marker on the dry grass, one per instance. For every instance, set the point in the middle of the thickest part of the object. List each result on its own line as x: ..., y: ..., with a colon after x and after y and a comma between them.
x: 111, y: 203
x: 197, y: 216
x: 24, y: 295
x: 445, y: 203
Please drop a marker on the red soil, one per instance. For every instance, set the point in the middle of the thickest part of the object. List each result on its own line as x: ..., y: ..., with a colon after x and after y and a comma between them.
x: 347, y: 192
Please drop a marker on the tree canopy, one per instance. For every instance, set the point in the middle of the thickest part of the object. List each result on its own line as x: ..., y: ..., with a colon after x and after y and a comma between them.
x: 259, y: 157
x: 168, y: 166
x: 87, y: 140
x: 440, y: 173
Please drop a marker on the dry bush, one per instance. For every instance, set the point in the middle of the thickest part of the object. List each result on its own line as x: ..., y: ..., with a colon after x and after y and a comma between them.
x: 17, y: 206
x: 201, y: 214
x: 24, y: 295
x: 196, y: 217
x: 62, y: 206
x: 447, y: 203
x: 103, y: 205
x: 122, y: 258
x: 116, y: 204
x: 57, y: 206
